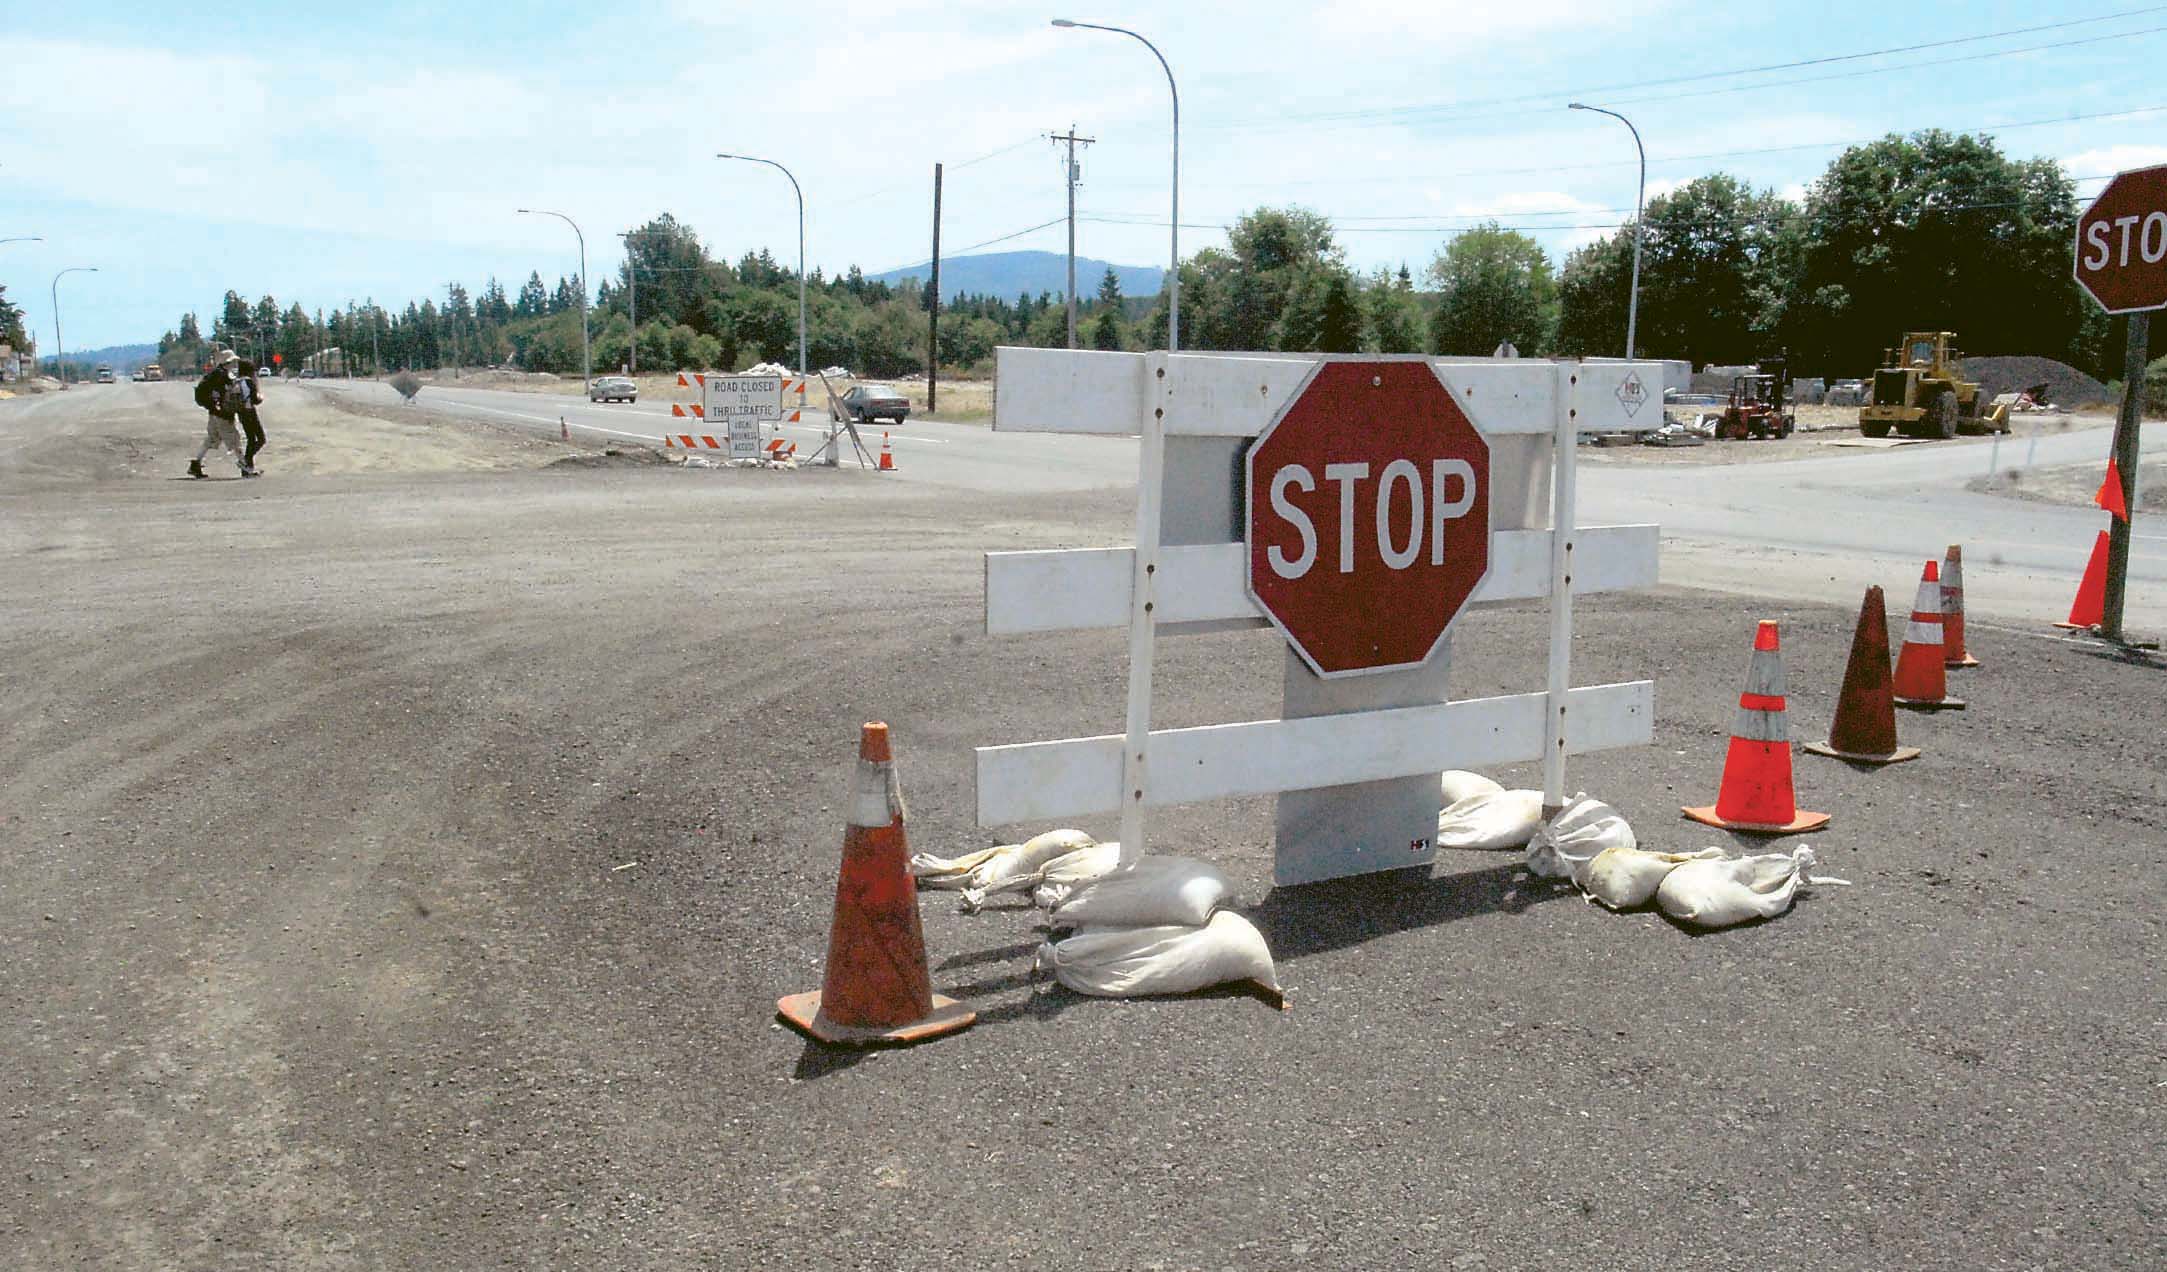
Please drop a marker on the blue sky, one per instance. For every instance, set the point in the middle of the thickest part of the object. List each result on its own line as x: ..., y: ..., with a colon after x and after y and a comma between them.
x: 380, y: 151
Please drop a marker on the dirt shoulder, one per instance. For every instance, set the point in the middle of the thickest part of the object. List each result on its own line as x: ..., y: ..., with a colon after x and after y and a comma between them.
x: 95, y: 435
x: 2073, y: 485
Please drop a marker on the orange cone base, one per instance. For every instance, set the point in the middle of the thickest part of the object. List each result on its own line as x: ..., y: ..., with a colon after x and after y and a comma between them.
x: 802, y: 1013
x: 1897, y: 756
x: 1936, y: 704
x: 1801, y: 822
x: 1958, y: 664
x: 2078, y: 627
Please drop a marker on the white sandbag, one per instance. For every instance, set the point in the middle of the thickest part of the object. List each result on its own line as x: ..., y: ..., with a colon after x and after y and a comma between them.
x: 1459, y: 784
x: 1123, y: 962
x: 1562, y: 847
x: 1148, y: 891
x: 1491, y: 819
x: 991, y: 866
x: 1065, y: 874
x: 1725, y: 891
x: 1622, y: 877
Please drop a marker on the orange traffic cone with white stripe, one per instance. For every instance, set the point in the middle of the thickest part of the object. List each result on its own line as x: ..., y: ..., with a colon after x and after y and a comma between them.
x: 1922, y: 668
x: 1756, y: 794
x: 887, y: 458
x: 2090, y: 607
x: 1865, y: 728
x: 877, y: 987
x: 1953, y: 654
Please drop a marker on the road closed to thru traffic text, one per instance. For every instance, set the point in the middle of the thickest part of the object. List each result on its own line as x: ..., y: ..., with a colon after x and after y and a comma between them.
x: 1368, y: 515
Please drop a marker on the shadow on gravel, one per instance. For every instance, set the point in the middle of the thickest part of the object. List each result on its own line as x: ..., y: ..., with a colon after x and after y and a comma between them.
x: 1317, y: 918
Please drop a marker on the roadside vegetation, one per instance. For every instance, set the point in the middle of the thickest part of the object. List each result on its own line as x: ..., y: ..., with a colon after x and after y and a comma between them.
x: 1935, y: 231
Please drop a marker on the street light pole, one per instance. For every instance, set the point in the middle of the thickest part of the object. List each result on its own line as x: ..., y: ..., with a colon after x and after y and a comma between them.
x: 1173, y: 277
x: 586, y: 358
x: 1632, y: 305
x: 802, y: 362
x: 60, y: 350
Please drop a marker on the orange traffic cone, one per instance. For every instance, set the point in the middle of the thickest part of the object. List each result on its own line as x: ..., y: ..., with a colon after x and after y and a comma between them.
x: 1865, y: 727
x: 1953, y: 653
x: 564, y: 430
x: 1922, y: 669
x: 887, y: 459
x: 877, y: 987
x: 1756, y: 794
x: 2090, y: 607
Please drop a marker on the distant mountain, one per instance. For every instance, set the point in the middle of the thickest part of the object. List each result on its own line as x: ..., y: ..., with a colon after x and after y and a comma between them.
x: 122, y: 358
x: 1009, y: 274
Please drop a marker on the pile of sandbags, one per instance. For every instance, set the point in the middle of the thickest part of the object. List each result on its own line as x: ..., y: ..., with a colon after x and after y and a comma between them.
x: 1479, y: 813
x: 1590, y: 843
x: 1159, y: 925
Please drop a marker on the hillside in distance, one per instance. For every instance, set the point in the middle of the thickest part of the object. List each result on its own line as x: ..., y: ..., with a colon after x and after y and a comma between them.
x: 1010, y: 274
x: 122, y: 358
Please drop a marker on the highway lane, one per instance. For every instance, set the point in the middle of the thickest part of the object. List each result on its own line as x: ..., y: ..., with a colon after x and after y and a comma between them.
x: 1815, y: 529
x: 1822, y: 528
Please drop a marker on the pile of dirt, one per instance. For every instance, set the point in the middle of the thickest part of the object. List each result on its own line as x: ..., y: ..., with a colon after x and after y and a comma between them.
x: 614, y: 457
x: 2066, y: 386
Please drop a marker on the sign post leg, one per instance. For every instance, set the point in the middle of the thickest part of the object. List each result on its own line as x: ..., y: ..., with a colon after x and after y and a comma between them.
x: 2126, y: 429
x: 1566, y: 450
x: 1143, y: 604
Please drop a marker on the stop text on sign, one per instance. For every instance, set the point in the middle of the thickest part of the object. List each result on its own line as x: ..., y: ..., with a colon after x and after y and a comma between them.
x: 1401, y: 509
x: 1367, y: 517
x: 2150, y: 242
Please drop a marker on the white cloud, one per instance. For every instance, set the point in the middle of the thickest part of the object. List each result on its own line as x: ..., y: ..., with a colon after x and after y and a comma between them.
x: 2111, y: 159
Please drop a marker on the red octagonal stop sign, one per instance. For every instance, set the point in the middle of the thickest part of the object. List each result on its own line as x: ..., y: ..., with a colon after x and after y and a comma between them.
x: 1368, y: 521
x: 2122, y: 243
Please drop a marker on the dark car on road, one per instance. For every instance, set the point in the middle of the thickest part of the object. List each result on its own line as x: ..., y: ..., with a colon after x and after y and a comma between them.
x: 866, y: 403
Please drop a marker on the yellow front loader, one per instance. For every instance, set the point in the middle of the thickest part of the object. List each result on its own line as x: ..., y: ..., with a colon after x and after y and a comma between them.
x: 1920, y: 391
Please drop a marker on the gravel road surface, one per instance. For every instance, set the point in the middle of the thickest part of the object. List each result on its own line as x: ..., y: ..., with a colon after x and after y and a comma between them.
x: 402, y: 866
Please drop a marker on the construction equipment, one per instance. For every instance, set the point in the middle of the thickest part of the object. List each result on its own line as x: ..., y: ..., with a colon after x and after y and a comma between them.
x: 1920, y: 392
x: 1756, y: 408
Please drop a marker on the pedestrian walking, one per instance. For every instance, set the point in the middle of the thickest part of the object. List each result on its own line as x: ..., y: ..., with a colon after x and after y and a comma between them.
x: 251, y: 382
x: 217, y: 393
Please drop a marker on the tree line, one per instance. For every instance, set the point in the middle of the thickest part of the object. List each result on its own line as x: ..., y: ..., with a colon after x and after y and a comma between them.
x: 1934, y: 231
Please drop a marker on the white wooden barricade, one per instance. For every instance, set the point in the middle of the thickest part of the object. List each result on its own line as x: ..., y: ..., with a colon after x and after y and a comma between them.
x: 1356, y: 764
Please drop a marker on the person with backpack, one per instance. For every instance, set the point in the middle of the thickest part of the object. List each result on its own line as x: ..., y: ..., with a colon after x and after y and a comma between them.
x: 220, y: 395
x: 251, y: 382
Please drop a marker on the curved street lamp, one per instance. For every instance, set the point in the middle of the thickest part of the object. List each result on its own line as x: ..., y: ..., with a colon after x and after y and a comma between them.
x: 1632, y: 305
x: 803, y: 365
x: 1173, y: 276
x: 586, y: 360
x: 60, y: 351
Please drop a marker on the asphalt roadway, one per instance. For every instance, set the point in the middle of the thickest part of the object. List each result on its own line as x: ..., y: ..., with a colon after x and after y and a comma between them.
x: 401, y: 869
x: 1817, y: 528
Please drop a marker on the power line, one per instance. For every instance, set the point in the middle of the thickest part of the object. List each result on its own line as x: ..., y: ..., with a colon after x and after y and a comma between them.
x: 1689, y: 158
x: 1523, y: 98
x: 1043, y: 225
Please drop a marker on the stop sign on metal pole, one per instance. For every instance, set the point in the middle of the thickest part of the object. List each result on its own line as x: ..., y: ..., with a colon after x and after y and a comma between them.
x: 2122, y: 243
x: 1368, y: 522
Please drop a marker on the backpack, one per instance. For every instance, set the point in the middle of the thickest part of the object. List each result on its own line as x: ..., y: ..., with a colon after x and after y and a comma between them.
x: 207, y: 392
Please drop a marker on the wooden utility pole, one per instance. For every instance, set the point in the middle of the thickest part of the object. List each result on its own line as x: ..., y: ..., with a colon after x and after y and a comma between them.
x: 1069, y: 173
x: 933, y: 306
x: 2126, y: 428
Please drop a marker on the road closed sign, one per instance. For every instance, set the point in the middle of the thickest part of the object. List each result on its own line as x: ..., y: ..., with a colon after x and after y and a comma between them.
x: 2122, y: 243
x: 742, y: 404
x: 1368, y: 515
